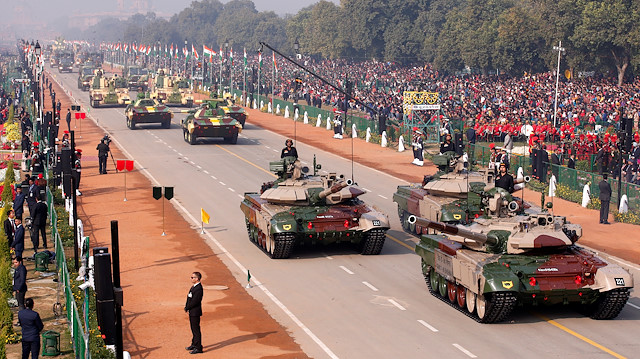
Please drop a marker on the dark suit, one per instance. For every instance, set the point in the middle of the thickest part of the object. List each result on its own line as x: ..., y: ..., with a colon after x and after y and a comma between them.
x: 31, y: 327
x: 8, y: 230
x: 18, y: 240
x: 18, y: 204
x: 39, y: 225
x: 605, y: 197
x: 20, y: 284
x: 34, y: 191
x: 194, y: 308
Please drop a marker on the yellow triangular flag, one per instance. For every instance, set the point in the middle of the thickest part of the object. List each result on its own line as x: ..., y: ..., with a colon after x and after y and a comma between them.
x: 205, y: 216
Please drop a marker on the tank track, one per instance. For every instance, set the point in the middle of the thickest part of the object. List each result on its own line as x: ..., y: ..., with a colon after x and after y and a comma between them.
x: 283, y: 245
x: 610, y: 304
x: 373, y: 242
x: 500, y: 307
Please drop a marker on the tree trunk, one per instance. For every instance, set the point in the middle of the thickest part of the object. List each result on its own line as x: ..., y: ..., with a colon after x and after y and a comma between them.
x: 621, y: 65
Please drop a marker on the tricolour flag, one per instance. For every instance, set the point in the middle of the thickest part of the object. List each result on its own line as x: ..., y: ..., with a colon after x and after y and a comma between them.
x: 275, y: 65
x: 185, y: 52
x: 195, y: 53
x: 148, y: 50
x: 206, y: 51
x: 171, y: 51
x: 260, y: 59
x: 245, y: 57
x: 205, y: 216
x: 231, y: 56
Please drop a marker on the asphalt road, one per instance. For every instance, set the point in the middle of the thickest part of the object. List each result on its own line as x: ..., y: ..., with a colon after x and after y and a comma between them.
x: 334, y: 301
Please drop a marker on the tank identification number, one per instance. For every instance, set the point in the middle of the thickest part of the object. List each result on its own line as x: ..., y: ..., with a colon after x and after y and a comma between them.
x: 325, y: 216
x: 619, y: 281
x: 507, y: 284
x: 376, y: 222
x: 547, y: 269
x: 444, y: 264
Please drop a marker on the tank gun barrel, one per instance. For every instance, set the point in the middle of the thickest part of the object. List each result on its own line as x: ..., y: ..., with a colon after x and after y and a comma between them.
x: 450, y: 229
x: 333, y: 189
x: 525, y: 179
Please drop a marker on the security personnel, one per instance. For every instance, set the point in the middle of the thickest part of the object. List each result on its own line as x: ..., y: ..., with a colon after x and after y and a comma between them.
x: 504, y: 180
x: 103, y: 153
x: 605, y: 198
x: 78, y: 171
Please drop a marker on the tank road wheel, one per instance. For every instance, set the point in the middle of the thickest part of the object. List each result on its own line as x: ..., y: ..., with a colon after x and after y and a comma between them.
x: 461, y: 297
x: 185, y: 135
x: 609, y: 304
x: 481, y: 307
x: 403, y: 215
x: 471, y: 301
x: 191, y: 138
x: 269, y: 244
x: 451, y: 291
x: 425, y: 270
x: 434, y: 282
x: 133, y: 124
x: 442, y: 286
x: 166, y: 124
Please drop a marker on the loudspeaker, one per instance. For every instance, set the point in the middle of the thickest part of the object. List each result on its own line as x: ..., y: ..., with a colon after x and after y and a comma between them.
x: 105, y: 303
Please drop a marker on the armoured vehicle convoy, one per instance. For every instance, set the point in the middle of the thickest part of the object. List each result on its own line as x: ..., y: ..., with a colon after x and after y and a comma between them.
x: 108, y: 91
x: 300, y: 209
x: 137, y: 78
x: 146, y: 110
x: 489, y: 267
x: 172, y: 90
x: 210, y: 121
x: 453, y: 195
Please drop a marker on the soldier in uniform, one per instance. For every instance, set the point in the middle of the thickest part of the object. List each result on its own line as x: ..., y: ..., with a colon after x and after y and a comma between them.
x: 416, y: 144
x: 504, y: 180
x: 289, y: 150
x: 78, y: 171
x: 337, y: 125
x: 447, y: 145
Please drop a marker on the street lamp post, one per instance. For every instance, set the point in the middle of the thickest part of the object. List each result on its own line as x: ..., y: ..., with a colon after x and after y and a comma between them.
x: 560, y: 50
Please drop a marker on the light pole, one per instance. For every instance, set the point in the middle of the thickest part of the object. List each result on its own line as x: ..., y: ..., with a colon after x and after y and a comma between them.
x: 226, y: 48
x: 185, y: 58
x: 560, y: 50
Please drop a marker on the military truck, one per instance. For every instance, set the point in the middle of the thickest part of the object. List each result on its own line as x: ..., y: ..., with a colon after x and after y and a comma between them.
x: 489, y: 267
x: 138, y: 78
x: 85, y: 76
x: 300, y: 209
x: 65, y: 62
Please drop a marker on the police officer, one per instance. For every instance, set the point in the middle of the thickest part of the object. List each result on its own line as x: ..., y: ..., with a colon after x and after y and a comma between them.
x: 103, y: 153
x: 504, y: 180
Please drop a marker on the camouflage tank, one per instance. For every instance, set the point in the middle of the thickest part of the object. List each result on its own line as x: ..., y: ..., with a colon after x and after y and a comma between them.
x: 210, y: 121
x: 172, y: 90
x: 300, y: 209
x: 489, y: 267
x: 230, y: 109
x: 108, y: 91
x: 453, y: 195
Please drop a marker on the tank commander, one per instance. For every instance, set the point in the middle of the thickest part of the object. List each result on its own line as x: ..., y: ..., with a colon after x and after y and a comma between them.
x: 447, y: 145
x: 289, y: 150
x: 504, y: 180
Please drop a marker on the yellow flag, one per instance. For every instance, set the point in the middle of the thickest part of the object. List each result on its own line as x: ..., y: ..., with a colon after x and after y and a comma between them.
x: 205, y: 216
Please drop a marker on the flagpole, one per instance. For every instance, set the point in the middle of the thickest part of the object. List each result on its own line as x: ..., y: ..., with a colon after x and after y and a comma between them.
x: 259, y: 73
x: 220, y: 91
x: 273, y: 81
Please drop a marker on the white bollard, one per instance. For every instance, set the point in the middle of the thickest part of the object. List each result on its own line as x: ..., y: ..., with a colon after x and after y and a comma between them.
x: 586, y: 196
x: 255, y: 104
x: 286, y: 112
x: 401, y: 144
x: 328, y: 122
x: 261, y: 104
x: 235, y: 97
x: 248, y: 102
x: 624, y: 204
x: 383, y: 142
x: 306, y: 118
x: 296, y: 115
x: 269, y: 109
x: 354, y: 131
x: 278, y: 109
x: 368, y: 136
x: 319, y: 121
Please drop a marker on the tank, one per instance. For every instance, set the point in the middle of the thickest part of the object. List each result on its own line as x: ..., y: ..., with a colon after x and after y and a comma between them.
x: 171, y: 90
x: 106, y: 91
x: 210, y: 121
x: 230, y: 109
x: 453, y: 195
x: 489, y: 267
x: 146, y: 110
x: 300, y: 209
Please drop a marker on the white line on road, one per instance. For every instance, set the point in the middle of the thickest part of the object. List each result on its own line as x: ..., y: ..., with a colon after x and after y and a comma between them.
x: 231, y: 189
x: 346, y: 269
x: 206, y: 172
x: 199, y: 167
x: 625, y: 263
x: 396, y: 304
x: 382, y: 196
x: 431, y: 328
x: 469, y: 354
x: 241, y: 196
x: 370, y: 286
x: 274, y: 150
x: 170, y: 147
x: 214, y: 177
x: 222, y: 183
x: 179, y: 154
x: 193, y: 163
x: 267, y: 146
x: 633, y: 305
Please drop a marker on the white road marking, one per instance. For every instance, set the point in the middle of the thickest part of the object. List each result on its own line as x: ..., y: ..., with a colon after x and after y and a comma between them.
x: 633, y: 305
x: 180, y: 154
x: 214, y: 177
x: 267, y: 146
x: 170, y: 147
x: 328, y: 257
x: 206, y: 172
x: 231, y: 189
x: 174, y: 150
x: 366, y: 189
x: 346, y: 269
x: 274, y: 150
x: 370, y: 286
x: 459, y: 347
x: 241, y: 196
x: 199, y: 167
x: 222, y: 183
x: 625, y: 263
x: 382, y: 196
x: 193, y: 163
x: 431, y: 328
x: 304, y: 162
x: 396, y: 304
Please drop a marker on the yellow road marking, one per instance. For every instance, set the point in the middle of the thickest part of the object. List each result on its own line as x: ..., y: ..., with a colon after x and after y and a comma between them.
x: 247, y: 161
x: 401, y: 243
x: 581, y: 337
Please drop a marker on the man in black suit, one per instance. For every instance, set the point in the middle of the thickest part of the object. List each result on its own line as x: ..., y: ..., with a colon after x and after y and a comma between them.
x: 9, y: 227
x: 194, y: 308
x: 18, y: 202
x: 31, y: 327
x: 39, y: 224
x: 18, y: 238
x: 33, y: 193
x: 19, y: 281
x: 605, y: 197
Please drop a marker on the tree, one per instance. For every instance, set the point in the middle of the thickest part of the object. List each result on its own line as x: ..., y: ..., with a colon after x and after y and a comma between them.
x: 609, y: 30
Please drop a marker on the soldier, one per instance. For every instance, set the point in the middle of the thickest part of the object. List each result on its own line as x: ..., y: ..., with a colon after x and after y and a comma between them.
x: 416, y: 144
x: 337, y: 125
x: 504, y: 180
x: 78, y: 171
x: 289, y: 150
x: 447, y: 145
x: 103, y: 153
